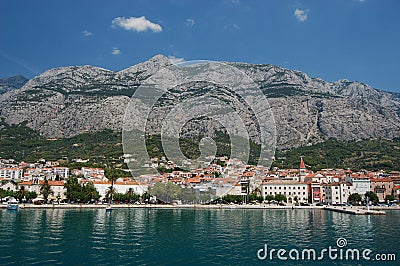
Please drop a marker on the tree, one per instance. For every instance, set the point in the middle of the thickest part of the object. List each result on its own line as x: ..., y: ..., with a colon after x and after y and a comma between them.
x: 131, y: 196
x: 45, y: 189
x: 166, y: 192
x: 232, y: 198
x: 145, y: 197
x: 389, y: 198
x: 371, y: 197
x: 112, y: 175
x: 73, y: 189
x: 110, y: 194
x: 355, y: 198
x: 78, y: 193
x: 20, y: 194
x: 188, y: 195
x: 90, y: 192
x: 254, y: 197
x: 269, y: 198
x: 296, y: 199
x: 280, y: 197
x: 30, y: 195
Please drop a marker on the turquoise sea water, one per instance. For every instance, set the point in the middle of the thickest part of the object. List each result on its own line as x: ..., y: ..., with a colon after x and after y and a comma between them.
x: 187, y: 236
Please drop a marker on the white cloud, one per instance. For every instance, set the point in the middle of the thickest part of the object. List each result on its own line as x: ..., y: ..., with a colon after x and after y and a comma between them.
x: 301, y: 15
x: 236, y: 27
x: 136, y: 24
x: 190, y: 22
x: 176, y: 60
x: 87, y: 33
x: 116, y: 51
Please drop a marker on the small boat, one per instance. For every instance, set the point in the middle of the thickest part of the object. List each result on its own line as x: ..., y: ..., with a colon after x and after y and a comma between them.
x: 108, y: 208
x: 12, y: 204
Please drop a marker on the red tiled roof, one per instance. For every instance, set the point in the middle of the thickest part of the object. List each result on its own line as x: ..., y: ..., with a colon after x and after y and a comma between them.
x: 302, y: 164
x: 381, y: 180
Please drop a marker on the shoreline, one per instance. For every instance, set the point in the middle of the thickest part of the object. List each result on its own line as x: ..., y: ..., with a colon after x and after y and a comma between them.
x: 185, y: 206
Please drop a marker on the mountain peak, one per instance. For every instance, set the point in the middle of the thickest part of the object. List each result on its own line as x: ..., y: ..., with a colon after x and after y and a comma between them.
x: 11, y: 83
x: 150, y: 66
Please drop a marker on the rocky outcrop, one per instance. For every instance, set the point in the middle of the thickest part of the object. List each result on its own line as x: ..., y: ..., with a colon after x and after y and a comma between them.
x: 66, y: 101
x: 12, y: 83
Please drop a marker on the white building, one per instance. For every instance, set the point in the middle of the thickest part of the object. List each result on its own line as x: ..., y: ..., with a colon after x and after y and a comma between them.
x: 7, y: 185
x: 57, y: 188
x: 290, y: 189
x: 87, y: 172
x: 360, y: 184
x: 120, y: 187
x: 62, y: 172
x: 11, y: 173
x: 337, y: 193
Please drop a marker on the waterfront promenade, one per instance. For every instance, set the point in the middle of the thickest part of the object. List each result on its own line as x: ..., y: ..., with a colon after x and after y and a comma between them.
x: 193, y: 206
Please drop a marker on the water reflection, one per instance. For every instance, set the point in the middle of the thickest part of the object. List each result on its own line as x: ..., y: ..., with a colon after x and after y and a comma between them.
x: 181, y: 236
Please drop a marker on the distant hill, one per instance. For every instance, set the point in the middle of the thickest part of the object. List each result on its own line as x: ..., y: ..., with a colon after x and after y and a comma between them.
x: 68, y: 101
x: 12, y: 83
x: 104, y: 147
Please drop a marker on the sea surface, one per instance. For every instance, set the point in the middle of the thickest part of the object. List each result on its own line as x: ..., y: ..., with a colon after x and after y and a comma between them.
x: 191, y: 236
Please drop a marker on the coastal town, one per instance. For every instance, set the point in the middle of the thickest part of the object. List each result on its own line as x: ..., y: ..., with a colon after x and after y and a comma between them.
x: 227, y: 177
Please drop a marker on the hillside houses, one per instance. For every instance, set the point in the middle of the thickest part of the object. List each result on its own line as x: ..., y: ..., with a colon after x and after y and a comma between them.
x: 331, y: 186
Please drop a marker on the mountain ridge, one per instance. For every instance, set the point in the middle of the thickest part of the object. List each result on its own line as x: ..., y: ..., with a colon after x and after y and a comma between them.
x: 11, y: 83
x: 66, y: 101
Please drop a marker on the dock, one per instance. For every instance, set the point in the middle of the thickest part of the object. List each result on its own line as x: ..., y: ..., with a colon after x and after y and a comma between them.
x: 355, y: 210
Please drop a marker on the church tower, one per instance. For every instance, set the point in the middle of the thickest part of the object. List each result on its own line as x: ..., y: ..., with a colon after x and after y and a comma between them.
x: 302, y: 170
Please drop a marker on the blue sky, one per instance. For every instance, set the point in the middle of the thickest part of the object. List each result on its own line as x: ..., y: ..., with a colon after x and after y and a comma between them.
x: 353, y: 39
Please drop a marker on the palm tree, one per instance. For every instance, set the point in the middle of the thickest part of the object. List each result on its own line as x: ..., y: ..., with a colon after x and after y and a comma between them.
x: 45, y: 189
x: 112, y: 175
x: 110, y: 192
x: 20, y: 193
x: 130, y: 193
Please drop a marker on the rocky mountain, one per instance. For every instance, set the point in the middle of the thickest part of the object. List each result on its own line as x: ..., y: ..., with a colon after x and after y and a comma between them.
x: 12, y: 83
x: 66, y: 101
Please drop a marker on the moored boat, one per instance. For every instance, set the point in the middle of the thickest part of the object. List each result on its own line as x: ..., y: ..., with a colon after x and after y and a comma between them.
x: 12, y: 204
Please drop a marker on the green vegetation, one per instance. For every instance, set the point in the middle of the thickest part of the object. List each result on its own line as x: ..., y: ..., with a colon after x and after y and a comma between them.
x: 365, y: 154
x: 170, y: 192
x: 20, y: 194
x: 390, y: 198
x: 280, y: 197
x: 372, y: 197
x: 355, y: 198
x: 45, y: 190
x: 19, y: 142
x: 269, y: 198
x: 128, y: 197
x: 105, y: 148
x: 80, y: 193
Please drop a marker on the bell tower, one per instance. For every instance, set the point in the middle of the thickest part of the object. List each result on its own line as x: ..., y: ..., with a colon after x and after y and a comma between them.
x: 302, y: 170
